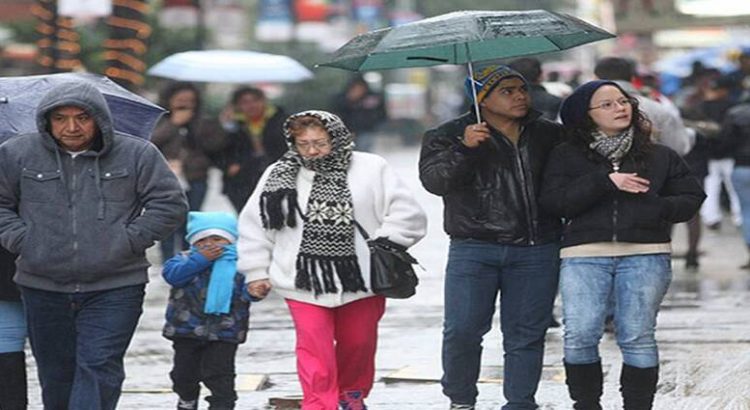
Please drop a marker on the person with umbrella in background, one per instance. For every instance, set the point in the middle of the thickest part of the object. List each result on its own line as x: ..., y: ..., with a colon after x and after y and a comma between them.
x: 191, y: 143
x: 80, y: 203
x: 488, y: 175
x: 254, y: 140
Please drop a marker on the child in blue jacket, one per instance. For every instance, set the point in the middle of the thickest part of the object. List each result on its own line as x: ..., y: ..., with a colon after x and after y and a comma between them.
x: 208, y: 311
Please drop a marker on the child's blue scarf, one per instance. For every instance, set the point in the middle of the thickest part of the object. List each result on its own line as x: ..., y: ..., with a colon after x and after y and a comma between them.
x: 221, y: 283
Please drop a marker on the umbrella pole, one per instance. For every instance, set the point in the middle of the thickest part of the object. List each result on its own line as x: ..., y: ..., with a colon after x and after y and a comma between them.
x: 473, y: 85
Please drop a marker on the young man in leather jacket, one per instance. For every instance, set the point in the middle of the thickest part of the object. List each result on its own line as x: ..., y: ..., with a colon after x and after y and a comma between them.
x: 488, y: 173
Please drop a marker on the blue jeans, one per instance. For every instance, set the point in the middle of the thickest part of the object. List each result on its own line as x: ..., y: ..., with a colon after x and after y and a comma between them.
x: 12, y: 327
x: 741, y: 183
x: 79, y: 341
x: 635, y: 283
x: 526, y: 277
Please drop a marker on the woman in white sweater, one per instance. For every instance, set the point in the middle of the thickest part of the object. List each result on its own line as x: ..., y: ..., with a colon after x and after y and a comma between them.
x: 297, y: 236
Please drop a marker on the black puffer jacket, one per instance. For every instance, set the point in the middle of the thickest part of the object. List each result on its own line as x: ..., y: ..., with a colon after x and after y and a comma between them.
x: 577, y: 187
x: 490, y: 192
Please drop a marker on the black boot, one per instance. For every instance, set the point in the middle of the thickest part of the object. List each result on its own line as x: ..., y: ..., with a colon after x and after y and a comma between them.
x: 584, y: 385
x: 691, y: 261
x: 638, y: 387
x: 13, y: 381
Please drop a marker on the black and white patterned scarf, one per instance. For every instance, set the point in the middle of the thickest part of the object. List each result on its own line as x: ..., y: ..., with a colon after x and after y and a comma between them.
x: 612, y: 147
x: 327, y: 247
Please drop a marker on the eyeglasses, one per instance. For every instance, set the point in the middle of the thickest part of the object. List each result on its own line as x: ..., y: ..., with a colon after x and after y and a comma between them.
x: 318, y: 145
x: 611, y: 105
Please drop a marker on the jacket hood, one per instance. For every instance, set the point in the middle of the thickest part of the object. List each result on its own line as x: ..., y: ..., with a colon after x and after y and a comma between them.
x: 79, y: 94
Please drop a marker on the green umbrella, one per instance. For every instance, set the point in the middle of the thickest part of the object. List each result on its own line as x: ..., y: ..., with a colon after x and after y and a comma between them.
x: 463, y: 37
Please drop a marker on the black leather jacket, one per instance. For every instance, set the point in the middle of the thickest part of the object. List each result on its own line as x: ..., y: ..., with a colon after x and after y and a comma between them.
x: 490, y: 192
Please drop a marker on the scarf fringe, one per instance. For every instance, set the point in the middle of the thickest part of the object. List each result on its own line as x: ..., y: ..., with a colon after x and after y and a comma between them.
x: 272, y: 209
x: 347, y: 269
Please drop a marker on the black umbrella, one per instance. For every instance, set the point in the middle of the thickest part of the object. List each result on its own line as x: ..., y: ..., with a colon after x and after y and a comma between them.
x: 19, y: 98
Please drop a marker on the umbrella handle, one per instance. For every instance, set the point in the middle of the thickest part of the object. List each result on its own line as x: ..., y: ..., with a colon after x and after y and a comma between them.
x: 473, y: 85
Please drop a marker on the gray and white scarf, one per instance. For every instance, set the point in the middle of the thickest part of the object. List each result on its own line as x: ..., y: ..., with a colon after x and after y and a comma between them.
x: 327, y: 246
x: 614, y: 147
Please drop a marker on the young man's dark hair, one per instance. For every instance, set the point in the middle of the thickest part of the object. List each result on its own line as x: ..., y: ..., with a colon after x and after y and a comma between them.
x: 541, y: 99
x: 529, y: 67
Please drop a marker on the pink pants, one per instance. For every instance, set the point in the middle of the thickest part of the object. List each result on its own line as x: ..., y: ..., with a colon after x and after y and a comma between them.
x: 335, y: 349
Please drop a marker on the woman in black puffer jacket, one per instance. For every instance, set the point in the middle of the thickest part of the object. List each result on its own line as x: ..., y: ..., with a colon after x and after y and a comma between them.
x: 618, y: 194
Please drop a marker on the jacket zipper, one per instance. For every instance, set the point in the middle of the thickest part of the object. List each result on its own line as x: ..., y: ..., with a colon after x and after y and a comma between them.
x: 525, y: 194
x: 614, y: 220
x: 74, y: 218
x: 615, y: 168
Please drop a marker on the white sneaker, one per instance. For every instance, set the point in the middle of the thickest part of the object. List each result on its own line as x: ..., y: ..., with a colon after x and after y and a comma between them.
x: 187, y: 404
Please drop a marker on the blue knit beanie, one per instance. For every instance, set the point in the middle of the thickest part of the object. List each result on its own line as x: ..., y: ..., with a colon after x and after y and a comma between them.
x: 575, y: 108
x: 486, y: 79
x: 201, y: 225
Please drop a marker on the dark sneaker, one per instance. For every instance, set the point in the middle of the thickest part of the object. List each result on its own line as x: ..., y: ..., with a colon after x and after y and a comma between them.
x: 352, y: 400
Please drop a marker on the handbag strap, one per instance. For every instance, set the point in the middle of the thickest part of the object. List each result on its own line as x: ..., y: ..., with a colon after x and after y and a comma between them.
x: 361, y: 230
x: 395, y: 245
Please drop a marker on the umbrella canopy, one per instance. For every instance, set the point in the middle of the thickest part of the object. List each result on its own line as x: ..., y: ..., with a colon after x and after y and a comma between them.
x: 462, y: 37
x: 719, y: 57
x: 20, y: 96
x: 230, y: 66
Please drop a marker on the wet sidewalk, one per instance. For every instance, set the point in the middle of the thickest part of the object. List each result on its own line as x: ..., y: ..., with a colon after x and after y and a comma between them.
x: 703, y: 331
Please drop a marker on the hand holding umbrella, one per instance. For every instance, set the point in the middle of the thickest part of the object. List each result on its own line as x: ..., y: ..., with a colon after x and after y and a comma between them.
x: 476, y: 134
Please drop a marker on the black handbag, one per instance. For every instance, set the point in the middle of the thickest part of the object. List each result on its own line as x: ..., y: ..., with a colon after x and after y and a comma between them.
x: 391, y: 272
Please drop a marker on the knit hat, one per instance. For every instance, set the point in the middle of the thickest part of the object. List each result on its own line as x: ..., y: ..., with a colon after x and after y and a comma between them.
x: 486, y: 79
x: 575, y: 108
x: 201, y: 225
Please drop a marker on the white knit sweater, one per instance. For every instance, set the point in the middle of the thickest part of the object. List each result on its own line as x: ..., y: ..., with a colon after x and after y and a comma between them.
x: 383, y: 205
